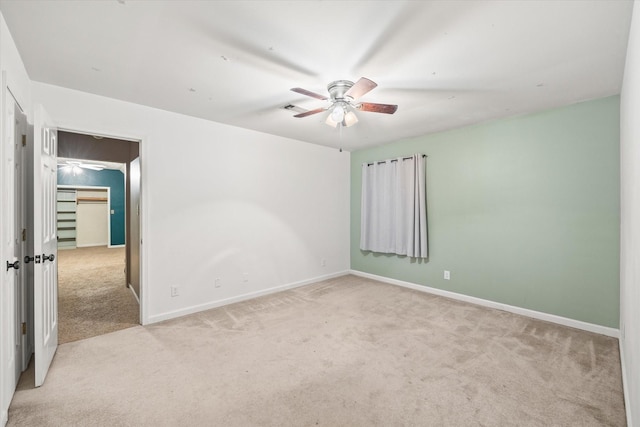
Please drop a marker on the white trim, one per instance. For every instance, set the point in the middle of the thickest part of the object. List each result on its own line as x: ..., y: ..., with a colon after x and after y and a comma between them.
x: 145, y: 302
x: 625, y: 385
x: 91, y: 245
x: 244, y: 297
x: 134, y: 293
x: 4, y: 329
x: 83, y: 187
x: 5, y: 418
x: 116, y: 246
x: 590, y: 327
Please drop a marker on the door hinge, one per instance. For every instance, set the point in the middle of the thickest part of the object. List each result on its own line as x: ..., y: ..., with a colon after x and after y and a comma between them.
x: 24, y: 140
x: 24, y: 328
x: 24, y: 234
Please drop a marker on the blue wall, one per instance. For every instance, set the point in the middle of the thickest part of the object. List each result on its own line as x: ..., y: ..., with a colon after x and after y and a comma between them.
x: 114, y: 179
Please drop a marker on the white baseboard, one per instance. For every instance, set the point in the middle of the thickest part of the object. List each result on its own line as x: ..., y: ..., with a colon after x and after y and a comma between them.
x: 625, y: 385
x: 590, y: 327
x: 243, y: 297
x: 91, y: 245
x: 116, y: 246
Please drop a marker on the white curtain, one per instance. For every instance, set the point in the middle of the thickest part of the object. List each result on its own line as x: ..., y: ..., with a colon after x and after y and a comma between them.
x: 394, y: 208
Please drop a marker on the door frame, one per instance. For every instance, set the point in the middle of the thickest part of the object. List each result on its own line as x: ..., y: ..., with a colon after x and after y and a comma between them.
x: 126, y: 136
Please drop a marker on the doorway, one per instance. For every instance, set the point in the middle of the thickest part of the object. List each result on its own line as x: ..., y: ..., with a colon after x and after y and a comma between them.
x: 98, y: 248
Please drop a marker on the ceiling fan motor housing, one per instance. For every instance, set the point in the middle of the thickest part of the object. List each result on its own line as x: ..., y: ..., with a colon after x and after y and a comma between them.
x: 338, y: 88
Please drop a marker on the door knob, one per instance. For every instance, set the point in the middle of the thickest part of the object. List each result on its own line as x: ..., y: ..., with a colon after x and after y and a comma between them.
x: 28, y: 259
x: 48, y: 258
x: 15, y: 264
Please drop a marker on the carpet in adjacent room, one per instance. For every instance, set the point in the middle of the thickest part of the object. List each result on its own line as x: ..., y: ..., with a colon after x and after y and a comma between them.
x: 92, y: 296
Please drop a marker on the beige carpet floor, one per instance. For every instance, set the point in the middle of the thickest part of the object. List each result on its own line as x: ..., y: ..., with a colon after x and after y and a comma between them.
x: 344, y: 352
x: 92, y: 296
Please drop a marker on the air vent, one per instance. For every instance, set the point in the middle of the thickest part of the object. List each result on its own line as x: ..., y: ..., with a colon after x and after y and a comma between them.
x: 291, y: 107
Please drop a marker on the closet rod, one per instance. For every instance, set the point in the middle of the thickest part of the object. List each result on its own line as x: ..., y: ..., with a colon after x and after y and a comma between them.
x: 395, y: 160
x: 92, y: 199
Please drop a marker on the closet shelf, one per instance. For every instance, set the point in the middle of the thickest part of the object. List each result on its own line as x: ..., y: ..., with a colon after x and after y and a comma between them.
x: 66, y: 220
x: 92, y: 199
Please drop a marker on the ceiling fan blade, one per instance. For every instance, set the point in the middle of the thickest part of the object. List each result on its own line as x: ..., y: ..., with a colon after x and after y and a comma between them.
x: 309, y: 93
x: 377, y: 108
x: 310, y: 112
x: 92, y: 167
x: 361, y: 87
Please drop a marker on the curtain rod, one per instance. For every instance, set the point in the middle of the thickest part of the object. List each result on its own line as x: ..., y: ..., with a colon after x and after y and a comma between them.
x: 394, y: 160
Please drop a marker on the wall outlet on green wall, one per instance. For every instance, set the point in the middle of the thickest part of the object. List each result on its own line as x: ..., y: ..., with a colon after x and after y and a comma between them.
x: 447, y: 275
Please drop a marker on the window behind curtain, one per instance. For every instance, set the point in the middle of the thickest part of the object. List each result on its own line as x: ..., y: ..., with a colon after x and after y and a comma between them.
x: 394, y: 209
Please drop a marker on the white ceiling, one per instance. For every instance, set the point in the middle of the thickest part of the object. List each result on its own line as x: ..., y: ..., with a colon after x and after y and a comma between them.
x: 445, y: 63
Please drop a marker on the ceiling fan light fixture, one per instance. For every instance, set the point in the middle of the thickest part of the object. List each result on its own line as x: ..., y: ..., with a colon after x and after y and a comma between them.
x: 330, y: 121
x: 350, y: 119
x: 337, y: 115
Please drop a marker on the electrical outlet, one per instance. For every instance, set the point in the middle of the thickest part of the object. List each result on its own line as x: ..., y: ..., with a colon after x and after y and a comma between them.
x: 447, y: 275
x: 245, y: 277
x: 323, y: 262
x: 217, y: 282
x: 174, y: 291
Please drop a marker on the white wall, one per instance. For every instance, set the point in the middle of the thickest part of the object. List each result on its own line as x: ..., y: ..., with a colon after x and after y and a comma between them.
x: 630, y: 222
x: 17, y: 77
x: 220, y: 201
x: 92, y: 219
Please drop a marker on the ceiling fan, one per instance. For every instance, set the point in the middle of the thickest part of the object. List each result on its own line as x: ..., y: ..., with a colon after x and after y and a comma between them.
x: 343, y: 101
x: 75, y: 166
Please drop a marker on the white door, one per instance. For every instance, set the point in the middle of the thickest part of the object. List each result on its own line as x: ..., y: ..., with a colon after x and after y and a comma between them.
x: 20, y: 134
x: 45, y: 284
x: 10, y: 338
x: 22, y: 192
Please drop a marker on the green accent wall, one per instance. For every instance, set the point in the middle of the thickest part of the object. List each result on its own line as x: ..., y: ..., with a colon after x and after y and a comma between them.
x: 114, y: 179
x: 523, y: 211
